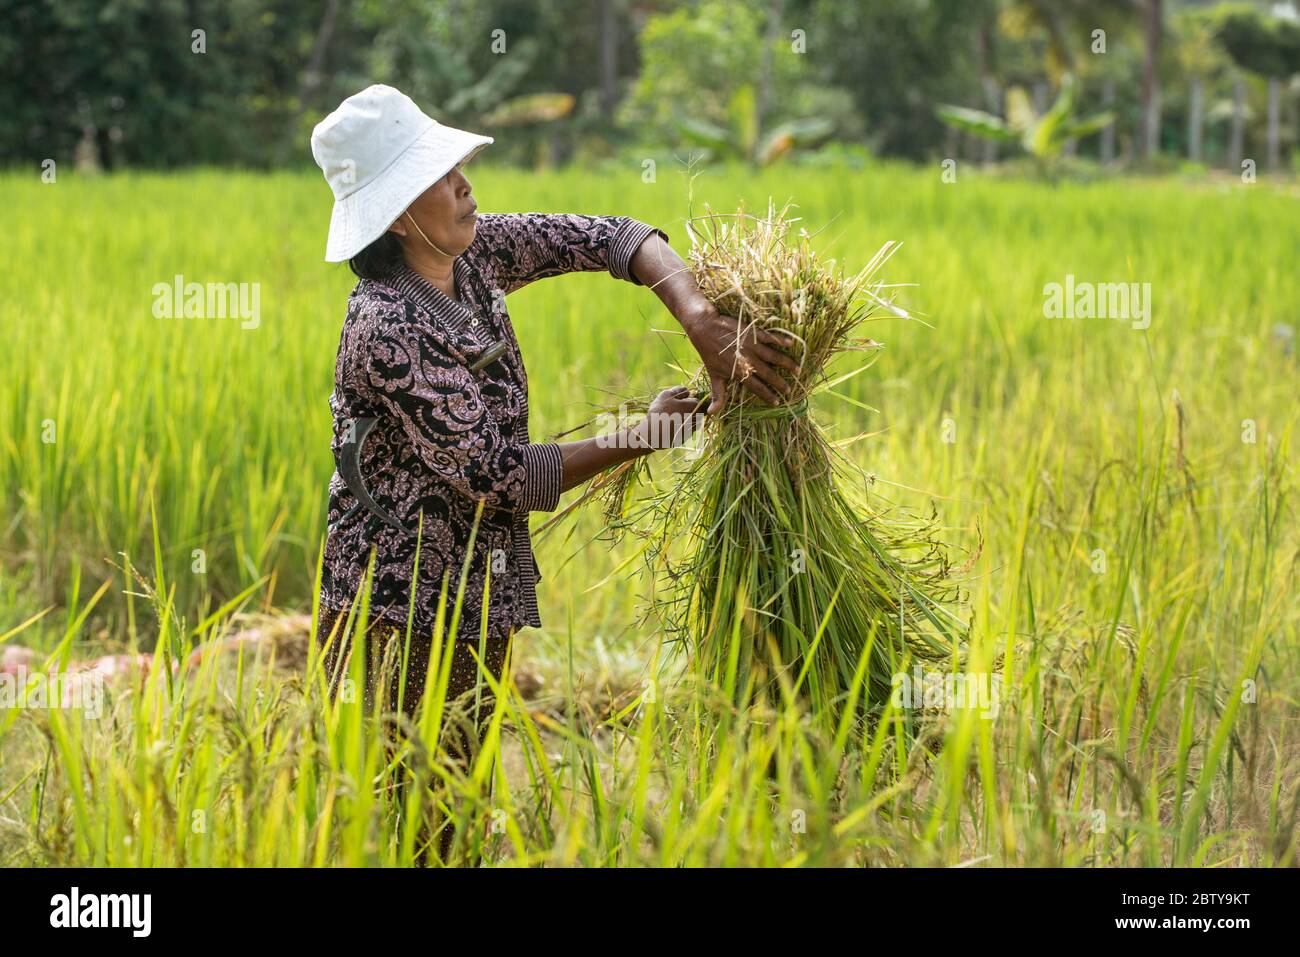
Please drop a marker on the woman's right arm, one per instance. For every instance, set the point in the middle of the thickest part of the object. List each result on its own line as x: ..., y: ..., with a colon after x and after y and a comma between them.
x: 436, y: 401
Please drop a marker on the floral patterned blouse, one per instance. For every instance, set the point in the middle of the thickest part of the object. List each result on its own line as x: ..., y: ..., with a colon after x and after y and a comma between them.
x: 448, y: 437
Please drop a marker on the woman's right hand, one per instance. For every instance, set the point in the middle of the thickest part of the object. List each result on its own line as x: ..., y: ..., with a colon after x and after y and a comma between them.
x: 673, y: 417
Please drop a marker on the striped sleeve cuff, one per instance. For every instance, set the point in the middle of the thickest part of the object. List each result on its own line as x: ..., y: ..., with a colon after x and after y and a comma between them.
x: 544, y: 474
x: 624, y: 245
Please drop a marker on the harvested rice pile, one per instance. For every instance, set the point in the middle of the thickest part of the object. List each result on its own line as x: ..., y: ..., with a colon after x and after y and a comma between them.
x: 771, y: 564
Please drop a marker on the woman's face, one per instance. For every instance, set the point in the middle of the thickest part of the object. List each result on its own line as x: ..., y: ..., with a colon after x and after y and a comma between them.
x: 440, y: 211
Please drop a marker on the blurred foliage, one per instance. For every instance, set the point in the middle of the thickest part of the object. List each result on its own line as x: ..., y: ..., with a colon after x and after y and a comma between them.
x: 1260, y: 44
x: 1062, y: 29
x: 692, y: 61
x: 743, y: 139
x: 120, y: 83
x: 1044, y: 137
x: 898, y: 58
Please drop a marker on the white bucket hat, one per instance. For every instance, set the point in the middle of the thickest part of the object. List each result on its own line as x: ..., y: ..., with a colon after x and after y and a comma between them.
x: 379, y: 152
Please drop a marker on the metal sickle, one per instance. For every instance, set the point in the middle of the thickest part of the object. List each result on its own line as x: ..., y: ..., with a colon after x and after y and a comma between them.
x: 350, y: 453
x: 350, y: 470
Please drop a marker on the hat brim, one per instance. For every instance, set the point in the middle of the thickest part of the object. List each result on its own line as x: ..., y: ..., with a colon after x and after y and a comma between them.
x: 363, y: 216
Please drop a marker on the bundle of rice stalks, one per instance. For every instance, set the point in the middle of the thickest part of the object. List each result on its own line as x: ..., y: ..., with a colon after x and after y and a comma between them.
x: 781, y: 577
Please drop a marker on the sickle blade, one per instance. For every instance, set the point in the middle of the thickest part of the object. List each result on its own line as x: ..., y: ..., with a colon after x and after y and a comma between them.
x: 350, y: 470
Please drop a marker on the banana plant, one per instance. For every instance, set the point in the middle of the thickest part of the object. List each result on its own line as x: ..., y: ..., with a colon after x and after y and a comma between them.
x: 742, y: 139
x: 1042, y: 137
x: 491, y: 104
x: 487, y: 102
x: 530, y: 108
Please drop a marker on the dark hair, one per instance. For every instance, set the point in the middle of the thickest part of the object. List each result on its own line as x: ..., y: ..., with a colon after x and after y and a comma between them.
x: 379, y: 258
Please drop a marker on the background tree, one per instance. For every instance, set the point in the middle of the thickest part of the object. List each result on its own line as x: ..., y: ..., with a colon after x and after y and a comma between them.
x: 126, y: 83
x: 1153, y: 36
x: 897, y: 59
x: 1201, y: 60
x: 744, y: 52
x: 1269, y: 47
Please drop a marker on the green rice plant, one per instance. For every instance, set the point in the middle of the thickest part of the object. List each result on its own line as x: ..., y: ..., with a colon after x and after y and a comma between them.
x: 785, y: 579
x: 1137, y: 574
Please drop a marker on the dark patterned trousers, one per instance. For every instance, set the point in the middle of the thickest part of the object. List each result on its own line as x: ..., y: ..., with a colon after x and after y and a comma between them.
x: 466, y: 724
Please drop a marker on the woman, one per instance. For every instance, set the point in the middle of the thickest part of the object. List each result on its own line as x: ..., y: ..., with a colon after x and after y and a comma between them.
x: 430, y: 396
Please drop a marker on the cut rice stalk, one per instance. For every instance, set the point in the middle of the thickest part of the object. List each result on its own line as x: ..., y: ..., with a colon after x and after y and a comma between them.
x: 760, y: 537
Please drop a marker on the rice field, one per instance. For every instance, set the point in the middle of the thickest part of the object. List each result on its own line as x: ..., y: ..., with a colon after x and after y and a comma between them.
x: 1121, y: 490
